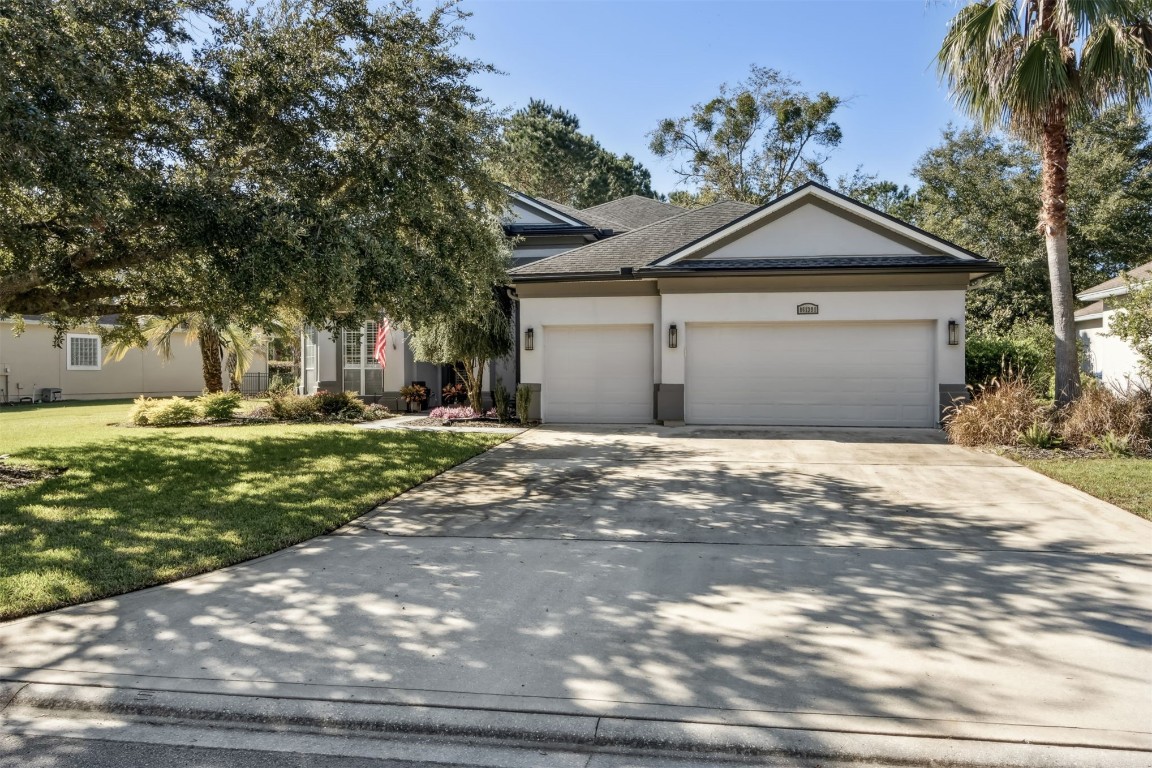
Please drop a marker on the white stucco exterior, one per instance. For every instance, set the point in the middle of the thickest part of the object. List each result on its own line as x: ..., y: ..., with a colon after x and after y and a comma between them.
x: 937, y: 307
x: 30, y: 363
x: 1108, y: 358
x: 810, y: 231
x: 881, y: 313
x: 539, y: 314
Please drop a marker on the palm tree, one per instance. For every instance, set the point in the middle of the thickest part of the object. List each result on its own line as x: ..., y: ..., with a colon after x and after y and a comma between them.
x: 216, y: 338
x: 1033, y: 67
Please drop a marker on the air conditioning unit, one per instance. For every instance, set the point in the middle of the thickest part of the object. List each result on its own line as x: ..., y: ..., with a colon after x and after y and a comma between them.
x: 51, y: 395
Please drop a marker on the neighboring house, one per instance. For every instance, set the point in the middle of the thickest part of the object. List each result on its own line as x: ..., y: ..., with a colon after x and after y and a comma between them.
x: 811, y: 310
x: 30, y: 364
x: 541, y: 228
x: 1108, y: 358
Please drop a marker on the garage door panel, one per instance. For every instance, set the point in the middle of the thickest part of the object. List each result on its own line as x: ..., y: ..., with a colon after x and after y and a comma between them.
x: 598, y: 374
x: 866, y: 374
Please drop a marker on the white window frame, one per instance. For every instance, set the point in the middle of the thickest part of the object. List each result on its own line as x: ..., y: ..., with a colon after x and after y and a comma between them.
x: 366, y: 362
x: 68, y: 351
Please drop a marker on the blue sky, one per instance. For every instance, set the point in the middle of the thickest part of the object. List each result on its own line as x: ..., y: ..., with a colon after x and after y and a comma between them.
x: 621, y: 66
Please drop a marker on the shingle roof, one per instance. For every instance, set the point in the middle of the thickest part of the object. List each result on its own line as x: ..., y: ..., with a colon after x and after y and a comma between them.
x: 641, y: 246
x: 1142, y: 271
x: 634, y: 211
x: 813, y: 262
x: 596, y: 220
x: 1094, y: 308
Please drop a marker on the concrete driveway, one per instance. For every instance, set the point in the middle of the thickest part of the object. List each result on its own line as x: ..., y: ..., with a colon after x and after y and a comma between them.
x: 833, y: 581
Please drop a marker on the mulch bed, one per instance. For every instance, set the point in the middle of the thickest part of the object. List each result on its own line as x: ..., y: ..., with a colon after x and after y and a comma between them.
x: 1037, y: 454
x: 17, y: 476
x: 428, y: 422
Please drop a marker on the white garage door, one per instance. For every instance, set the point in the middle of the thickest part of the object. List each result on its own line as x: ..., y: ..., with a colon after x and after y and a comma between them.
x: 820, y: 374
x: 597, y: 374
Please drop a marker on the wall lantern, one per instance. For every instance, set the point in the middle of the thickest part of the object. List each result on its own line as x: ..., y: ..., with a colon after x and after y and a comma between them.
x: 673, y: 336
x: 529, y: 340
x: 953, y: 333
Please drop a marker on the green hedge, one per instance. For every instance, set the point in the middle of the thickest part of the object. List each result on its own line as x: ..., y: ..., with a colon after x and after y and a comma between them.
x: 1028, y: 350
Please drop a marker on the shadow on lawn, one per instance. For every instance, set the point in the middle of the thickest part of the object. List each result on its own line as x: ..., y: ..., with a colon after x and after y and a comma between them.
x: 594, y: 584
x: 151, y: 507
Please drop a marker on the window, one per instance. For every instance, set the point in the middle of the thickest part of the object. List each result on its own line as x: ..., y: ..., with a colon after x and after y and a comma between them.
x: 83, y: 352
x: 353, y: 348
x: 362, y: 373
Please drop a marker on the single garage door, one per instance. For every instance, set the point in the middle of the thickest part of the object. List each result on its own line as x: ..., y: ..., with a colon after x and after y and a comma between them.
x: 597, y: 374
x: 819, y: 374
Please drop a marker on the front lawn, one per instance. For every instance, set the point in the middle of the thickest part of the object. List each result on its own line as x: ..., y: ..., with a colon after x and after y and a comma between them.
x: 1127, y: 483
x: 142, y: 506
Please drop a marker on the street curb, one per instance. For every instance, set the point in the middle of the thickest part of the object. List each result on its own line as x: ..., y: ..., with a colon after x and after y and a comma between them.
x: 593, y: 733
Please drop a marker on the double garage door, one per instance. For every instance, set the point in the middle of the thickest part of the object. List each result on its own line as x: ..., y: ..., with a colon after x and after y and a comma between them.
x: 818, y: 374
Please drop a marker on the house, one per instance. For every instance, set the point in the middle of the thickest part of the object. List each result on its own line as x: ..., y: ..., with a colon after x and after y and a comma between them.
x: 811, y: 310
x: 1110, y: 359
x: 30, y: 364
x: 541, y: 228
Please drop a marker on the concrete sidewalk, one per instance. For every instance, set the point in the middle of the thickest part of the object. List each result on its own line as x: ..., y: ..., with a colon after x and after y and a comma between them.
x: 840, y: 593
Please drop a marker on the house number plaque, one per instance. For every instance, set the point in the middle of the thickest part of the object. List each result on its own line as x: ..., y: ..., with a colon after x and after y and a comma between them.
x: 807, y: 308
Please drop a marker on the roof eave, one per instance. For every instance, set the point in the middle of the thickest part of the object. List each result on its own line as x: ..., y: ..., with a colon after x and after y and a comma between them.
x: 1107, y: 293
x: 985, y: 269
x: 560, y: 277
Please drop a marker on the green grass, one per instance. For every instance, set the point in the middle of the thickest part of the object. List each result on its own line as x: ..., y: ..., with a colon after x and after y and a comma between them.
x: 140, y: 506
x: 1127, y: 483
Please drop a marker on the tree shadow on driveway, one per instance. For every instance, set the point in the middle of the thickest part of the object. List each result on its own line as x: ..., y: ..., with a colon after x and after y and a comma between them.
x: 649, y: 581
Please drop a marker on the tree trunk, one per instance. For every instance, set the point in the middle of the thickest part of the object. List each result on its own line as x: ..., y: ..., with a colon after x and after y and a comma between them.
x: 1054, y: 224
x: 475, y: 383
x: 211, y: 350
x: 234, y: 376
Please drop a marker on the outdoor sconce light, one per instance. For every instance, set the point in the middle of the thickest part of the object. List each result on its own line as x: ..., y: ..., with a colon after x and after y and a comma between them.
x: 673, y: 336
x: 529, y: 339
x: 953, y: 333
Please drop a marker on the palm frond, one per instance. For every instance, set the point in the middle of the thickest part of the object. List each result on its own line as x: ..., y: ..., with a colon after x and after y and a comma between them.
x: 1116, y: 64
x: 1010, y: 67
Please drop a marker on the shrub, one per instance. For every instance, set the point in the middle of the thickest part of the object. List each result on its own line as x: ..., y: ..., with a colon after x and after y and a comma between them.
x: 141, y: 410
x: 1040, y: 435
x: 523, y: 402
x: 218, y: 406
x: 376, y: 411
x: 281, y: 385
x: 500, y: 398
x: 172, y: 412
x: 1018, y: 354
x: 1115, y: 445
x: 292, y: 407
x: 460, y: 412
x: 997, y: 414
x: 342, y: 405
x: 1100, y: 411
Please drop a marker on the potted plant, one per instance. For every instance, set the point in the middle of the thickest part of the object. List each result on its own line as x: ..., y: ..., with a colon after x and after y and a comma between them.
x: 414, y: 394
x: 454, y: 394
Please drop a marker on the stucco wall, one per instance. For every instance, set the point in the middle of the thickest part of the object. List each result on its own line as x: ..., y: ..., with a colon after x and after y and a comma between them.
x: 538, y: 314
x: 810, y: 231
x: 834, y: 306
x: 30, y: 361
x: 1110, y: 359
x: 661, y: 311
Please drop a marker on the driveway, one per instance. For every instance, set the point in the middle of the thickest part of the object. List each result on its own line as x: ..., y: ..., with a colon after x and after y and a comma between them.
x: 860, y: 581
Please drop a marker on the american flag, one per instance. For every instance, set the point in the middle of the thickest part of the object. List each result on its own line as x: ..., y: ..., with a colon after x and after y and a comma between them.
x: 381, y: 350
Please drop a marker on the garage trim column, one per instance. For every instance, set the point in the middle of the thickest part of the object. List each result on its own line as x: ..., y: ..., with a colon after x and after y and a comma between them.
x: 669, y: 395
